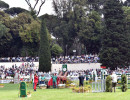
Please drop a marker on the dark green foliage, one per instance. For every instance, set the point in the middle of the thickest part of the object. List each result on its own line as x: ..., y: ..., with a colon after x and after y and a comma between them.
x: 77, y: 25
x: 115, y: 49
x: 44, y: 50
x: 108, y: 84
x: 95, y: 5
x: 22, y: 36
x: 33, y: 14
x: 5, y: 39
x: 15, y: 10
x: 124, y: 83
x: 3, y: 30
x: 52, y: 22
x: 78, y: 30
x: 127, y: 28
x: 127, y: 3
x: 90, y: 35
x: 56, y: 50
x: 3, y: 5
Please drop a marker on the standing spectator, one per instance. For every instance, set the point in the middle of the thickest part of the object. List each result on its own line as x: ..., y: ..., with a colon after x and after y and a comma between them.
x: 114, y: 81
x: 40, y: 82
x: 81, y: 80
x: 35, y: 81
x: 54, y: 78
x: 87, y: 77
x: 16, y: 77
x: 32, y: 78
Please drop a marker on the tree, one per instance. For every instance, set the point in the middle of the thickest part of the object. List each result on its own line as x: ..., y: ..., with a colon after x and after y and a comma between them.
x: 96, y: 5
x: 3, y: 30
x: 56, y: 50
x: 33, y: 8
x: 3, y: 5
x: 72, y: 15
x: 5, y: 39
x: 127, y: 28
x: 114, y: 51
x: 127, y: 3
x: 90, y: 35
x: 24, y: 31
x: 30, y: 36
x: 15, y: 11
x: 52, y: 21
x: 44, y: 50
x: 79, y: 27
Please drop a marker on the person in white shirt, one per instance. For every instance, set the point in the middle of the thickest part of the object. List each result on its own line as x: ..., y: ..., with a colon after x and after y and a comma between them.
x: 114, y: 80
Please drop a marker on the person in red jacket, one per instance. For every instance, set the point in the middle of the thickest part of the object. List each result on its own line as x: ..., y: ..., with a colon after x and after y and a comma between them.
x: 35, y: 81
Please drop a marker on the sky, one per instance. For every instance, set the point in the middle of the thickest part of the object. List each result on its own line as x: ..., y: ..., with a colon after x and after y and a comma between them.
x: 46, y: 8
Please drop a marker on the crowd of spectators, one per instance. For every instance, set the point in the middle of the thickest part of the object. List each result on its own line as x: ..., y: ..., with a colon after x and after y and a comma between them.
x: 19, y: 59
x: 98, y: 71
x: 84, y: 72
x: 58, y: 60
x: 76, y: 59
x: 25, y: 69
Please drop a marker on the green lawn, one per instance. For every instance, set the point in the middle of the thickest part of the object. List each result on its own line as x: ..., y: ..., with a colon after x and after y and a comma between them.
x: 10, y: 92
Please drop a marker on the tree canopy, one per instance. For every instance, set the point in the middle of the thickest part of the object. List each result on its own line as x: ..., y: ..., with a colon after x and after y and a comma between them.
x: 33, y: 7
x: 15, y: 10
x: 89, y: 27
x: 3, y: 5
x: 114, y: 52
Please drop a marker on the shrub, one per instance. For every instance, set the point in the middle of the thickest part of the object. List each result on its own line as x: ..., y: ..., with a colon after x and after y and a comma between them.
x: 30, y: 82
x: 82, y: 89
x: 1, y: 84
x: 56, y: 50
x: 119, y: 81
x: 12, y: 75
x: 123, y: 83
x: 108, y: 84
x: 90, y: 80
x: 87, y: 82
x: 69, y: 81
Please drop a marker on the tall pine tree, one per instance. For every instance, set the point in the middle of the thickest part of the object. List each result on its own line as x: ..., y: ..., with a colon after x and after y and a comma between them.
x: 114, y: 51
x: 44, y: 50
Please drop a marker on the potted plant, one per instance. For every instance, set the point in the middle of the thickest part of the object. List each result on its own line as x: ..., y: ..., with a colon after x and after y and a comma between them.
x: 1, y: 85
x: 28, y: 94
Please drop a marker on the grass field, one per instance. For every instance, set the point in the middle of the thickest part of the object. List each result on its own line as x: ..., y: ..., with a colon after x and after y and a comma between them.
x: 10, y: 92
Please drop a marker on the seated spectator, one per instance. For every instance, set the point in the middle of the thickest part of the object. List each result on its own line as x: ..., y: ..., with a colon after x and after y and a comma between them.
x: 42, y: 79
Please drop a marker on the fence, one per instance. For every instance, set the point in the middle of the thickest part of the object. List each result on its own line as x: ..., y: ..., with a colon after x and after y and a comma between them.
x: 99, y: 86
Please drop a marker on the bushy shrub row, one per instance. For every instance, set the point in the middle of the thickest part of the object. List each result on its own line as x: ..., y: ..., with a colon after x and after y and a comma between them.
x: 82, y: 89
x: 108, y: 84
x: 123, y: 83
